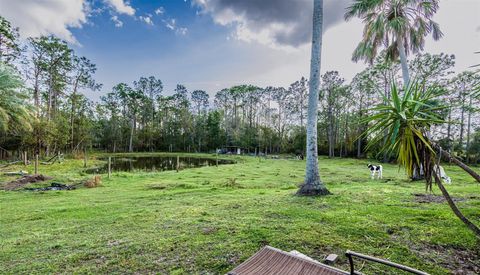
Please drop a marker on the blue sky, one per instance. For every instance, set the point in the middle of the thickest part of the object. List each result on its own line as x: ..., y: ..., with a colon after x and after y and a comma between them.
x: 140, y: 49
x: 213, y: 44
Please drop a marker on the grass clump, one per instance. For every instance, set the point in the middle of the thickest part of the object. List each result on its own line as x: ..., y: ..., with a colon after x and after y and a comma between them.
x: 232, y: 183
x: 96, y: 181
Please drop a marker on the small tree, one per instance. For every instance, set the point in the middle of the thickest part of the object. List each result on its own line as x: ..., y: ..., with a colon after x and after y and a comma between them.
x: 408, y: 118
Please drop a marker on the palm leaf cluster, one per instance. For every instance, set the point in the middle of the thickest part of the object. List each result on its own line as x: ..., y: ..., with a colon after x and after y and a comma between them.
x: 407, y: 118
x: 389, y: 22
x: 14, y: 112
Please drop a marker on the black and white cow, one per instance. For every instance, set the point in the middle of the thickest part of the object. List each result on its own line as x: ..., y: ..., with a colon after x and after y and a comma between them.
x: 375, y: 169
x: 441, y: 172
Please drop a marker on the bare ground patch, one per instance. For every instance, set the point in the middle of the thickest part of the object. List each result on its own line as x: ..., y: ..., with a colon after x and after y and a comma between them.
x: 21, y: 182
x: 458, y: 260
x: 430, y: 198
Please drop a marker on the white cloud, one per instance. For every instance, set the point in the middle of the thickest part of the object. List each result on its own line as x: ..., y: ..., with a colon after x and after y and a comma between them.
x: 181, y: 31
x: 160, y: 11
x: 121, y: 6
x: 117, y: 21
x: 276, y: 23
x: 36, y: 18
x: 147, y: 19
x: 171, y: 24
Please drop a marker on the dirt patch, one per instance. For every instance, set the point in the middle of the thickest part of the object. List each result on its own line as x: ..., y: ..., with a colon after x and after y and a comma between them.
x: 209, y: 230
x: 21, y: 182
x: 430, y: 198
x: 459, y: 261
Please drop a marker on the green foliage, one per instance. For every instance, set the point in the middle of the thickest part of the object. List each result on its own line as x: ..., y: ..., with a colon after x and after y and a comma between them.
x: 9, y: 46
x: 14, y: 110
x: 474, y: 147
x: 390, y: 22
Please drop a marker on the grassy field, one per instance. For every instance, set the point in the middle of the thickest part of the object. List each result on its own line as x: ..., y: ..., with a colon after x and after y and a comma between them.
x: 208, y: 220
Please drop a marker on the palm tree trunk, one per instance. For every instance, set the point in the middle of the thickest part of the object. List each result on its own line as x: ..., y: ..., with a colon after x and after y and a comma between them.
x: 313, y: 185
x: 454, y: 207
x: 403, y: 61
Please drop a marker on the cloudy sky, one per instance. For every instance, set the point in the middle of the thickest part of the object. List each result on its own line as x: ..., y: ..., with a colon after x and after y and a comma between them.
x: 212, y: 44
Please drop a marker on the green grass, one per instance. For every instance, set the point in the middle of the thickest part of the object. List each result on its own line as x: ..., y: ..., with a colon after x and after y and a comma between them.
x: 208, y: 220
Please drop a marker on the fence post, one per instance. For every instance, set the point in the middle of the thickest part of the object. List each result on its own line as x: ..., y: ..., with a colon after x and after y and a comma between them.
x: 178, y: 163
x: 85, y: 157
x: 36, y: 164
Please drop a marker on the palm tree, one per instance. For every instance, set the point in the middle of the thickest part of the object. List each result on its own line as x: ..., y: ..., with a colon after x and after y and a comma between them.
x: 408, y: 119
x: 400, y: 25
x: 14, y: 113
x: 313, y: 185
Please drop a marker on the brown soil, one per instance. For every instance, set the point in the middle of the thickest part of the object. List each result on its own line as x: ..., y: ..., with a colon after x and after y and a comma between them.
x: 21, y: 182
x: 457, y: 260
x: 429, y: 198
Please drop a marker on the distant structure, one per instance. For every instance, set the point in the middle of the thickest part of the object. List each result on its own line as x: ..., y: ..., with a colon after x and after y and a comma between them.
x: 231, y: 150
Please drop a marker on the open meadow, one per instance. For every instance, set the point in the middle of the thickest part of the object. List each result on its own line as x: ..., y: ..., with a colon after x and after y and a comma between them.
x: 208, y: 220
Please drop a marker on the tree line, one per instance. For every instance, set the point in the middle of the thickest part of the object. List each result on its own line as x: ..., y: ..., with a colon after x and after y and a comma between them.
x: 43, y: 108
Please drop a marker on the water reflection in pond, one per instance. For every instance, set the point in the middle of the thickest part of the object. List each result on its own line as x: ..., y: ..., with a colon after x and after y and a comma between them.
x: 156, y: 164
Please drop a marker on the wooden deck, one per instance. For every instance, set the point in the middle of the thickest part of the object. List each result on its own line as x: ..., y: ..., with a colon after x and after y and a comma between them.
x: 270, y: 260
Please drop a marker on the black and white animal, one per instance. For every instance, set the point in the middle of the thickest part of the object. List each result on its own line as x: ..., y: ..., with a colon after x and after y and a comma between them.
x: 299, y: 156
x: 442, y: 174
x: 375, y: 169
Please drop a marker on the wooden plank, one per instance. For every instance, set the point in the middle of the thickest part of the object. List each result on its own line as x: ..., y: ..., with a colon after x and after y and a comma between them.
x: 270, y: 261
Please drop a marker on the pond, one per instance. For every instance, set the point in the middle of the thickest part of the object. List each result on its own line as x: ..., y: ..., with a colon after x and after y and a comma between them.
x: 155, y: 164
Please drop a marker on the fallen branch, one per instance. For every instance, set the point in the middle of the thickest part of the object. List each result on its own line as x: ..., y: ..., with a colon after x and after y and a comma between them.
x: 19, y: 173
x: 11, y: 163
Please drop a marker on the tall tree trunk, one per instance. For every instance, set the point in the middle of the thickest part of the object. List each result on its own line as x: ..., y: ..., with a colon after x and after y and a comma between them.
x: 330, y: 132
x: 72, y: 115
x: 403, y: 61
x: 469, y: 122
x: 360, y: 128
x: 36, y: 98
x: 313, y: 185
x: 449, y: 127
x: 152, y: 126
x: 462, y: 118
x: 49, y: 101
x: 301, y: 114
x: 345, y: 139
x: 36, y: 94
x: 454, y: 207
x: 130, y: 142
